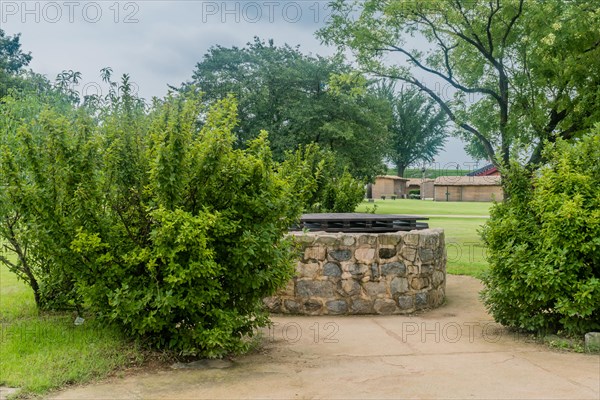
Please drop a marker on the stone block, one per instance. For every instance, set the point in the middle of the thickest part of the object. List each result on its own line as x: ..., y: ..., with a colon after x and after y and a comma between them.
x: 421, y: 300
x: 426, y: 255
x: 391, y: 239
x: 273, y: 304
x: 438, y: 278
x: 406, y: 302
x: 375, y: 271
x: 419, y: 283
x: 375, y: 289
x: 309, y: 288
x: 429, y: 239
x: 384, y: 306
x: 307, y: 270
x: 313, y: 306
x: 367, y: 239
x: 426, y: 269
x: 592, y: 342
x: 327, y: 240
x: 412, y: 239
x: 395, y: 269
x: 361, y: 306
x: 304, y: 239
x: 340, y: 254
x: 292, y: 306
x: 315, y: 253
x: 387, y: 252
x: 358, y: 270
x: 350, y: 287
x: 336, y: 306
x: 332, y: 269
x: 398, y: 286
x: 409, y: 254
x: 348, y: 241
x: 364, y: 254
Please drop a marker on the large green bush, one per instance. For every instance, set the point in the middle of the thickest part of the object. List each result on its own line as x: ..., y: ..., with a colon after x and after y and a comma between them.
x: 544, y: 244
x: 150, y: 219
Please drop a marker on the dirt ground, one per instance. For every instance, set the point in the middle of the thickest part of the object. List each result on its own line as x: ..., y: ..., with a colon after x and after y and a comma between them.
x: 454, y: 352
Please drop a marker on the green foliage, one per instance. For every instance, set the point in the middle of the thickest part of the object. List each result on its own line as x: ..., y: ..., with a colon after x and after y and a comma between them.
x: 318, y: 182
x: 417, y: 130
x: 151, y: 219
x: 12, y: 62
x: 45, y: 155
x: 518, y: 74
x: 544, y: 244
x: 299, y: 100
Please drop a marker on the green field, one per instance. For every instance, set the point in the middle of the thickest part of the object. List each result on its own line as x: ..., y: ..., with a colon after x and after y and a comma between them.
x: 460, y: 221
x: 41, y: 352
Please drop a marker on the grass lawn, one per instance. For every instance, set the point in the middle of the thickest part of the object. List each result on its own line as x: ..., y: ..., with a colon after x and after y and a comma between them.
x: 39, y: 353
x: 460, y: 221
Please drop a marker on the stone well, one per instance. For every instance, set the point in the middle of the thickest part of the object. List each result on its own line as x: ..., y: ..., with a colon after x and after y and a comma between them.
x: 365, y: 273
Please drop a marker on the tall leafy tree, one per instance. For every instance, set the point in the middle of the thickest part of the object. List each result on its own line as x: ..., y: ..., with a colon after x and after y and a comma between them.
x: 12, y: 62
x: 290, y: 95
x: 417, y: 128
x: 523, y: 73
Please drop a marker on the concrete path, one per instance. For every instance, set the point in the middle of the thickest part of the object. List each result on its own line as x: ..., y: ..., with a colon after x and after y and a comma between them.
x: 454, y: 352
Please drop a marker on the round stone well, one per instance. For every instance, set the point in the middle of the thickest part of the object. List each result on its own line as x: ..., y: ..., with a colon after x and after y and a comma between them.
x: 354, y: 272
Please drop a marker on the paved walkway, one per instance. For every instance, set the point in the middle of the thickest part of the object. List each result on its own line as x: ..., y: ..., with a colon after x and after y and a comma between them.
x: 454, y: 352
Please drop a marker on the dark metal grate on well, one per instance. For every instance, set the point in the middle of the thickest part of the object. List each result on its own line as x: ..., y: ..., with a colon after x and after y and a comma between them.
x: 360, y: 222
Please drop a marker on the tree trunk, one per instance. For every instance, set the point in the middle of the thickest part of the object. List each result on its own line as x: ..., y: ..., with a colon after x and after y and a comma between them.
x: 400, y: 170
x: 369, y: 190
x: 24, y: 269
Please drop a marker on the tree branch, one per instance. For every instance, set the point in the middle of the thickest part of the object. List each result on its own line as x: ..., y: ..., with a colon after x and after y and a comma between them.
x: 488, y: 28
x: 512, y: 22
x: 555, y: 118
x: 449, y: 79
x: 484, y: 141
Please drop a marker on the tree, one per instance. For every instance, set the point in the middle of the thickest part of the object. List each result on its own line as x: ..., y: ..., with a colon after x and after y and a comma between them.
x: 290, y: 95
x: 12, y: 62
x: 523, y: 73
x: 418, y: 127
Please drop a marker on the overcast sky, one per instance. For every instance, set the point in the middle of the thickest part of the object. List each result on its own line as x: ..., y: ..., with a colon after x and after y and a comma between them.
x: 159, y: 42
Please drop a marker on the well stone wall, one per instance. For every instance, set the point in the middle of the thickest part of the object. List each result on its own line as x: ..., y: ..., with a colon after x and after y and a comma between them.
x: 365, y: 273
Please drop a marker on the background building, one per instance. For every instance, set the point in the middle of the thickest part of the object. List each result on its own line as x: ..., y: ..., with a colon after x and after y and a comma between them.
x: 468, y: 188
x: 389, y: 185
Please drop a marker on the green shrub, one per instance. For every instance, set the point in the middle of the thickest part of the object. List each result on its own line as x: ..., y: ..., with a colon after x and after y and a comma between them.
x: 319, y: 184
x: 544, y: 244
x: 152, y: 220
x: 45, y: 157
